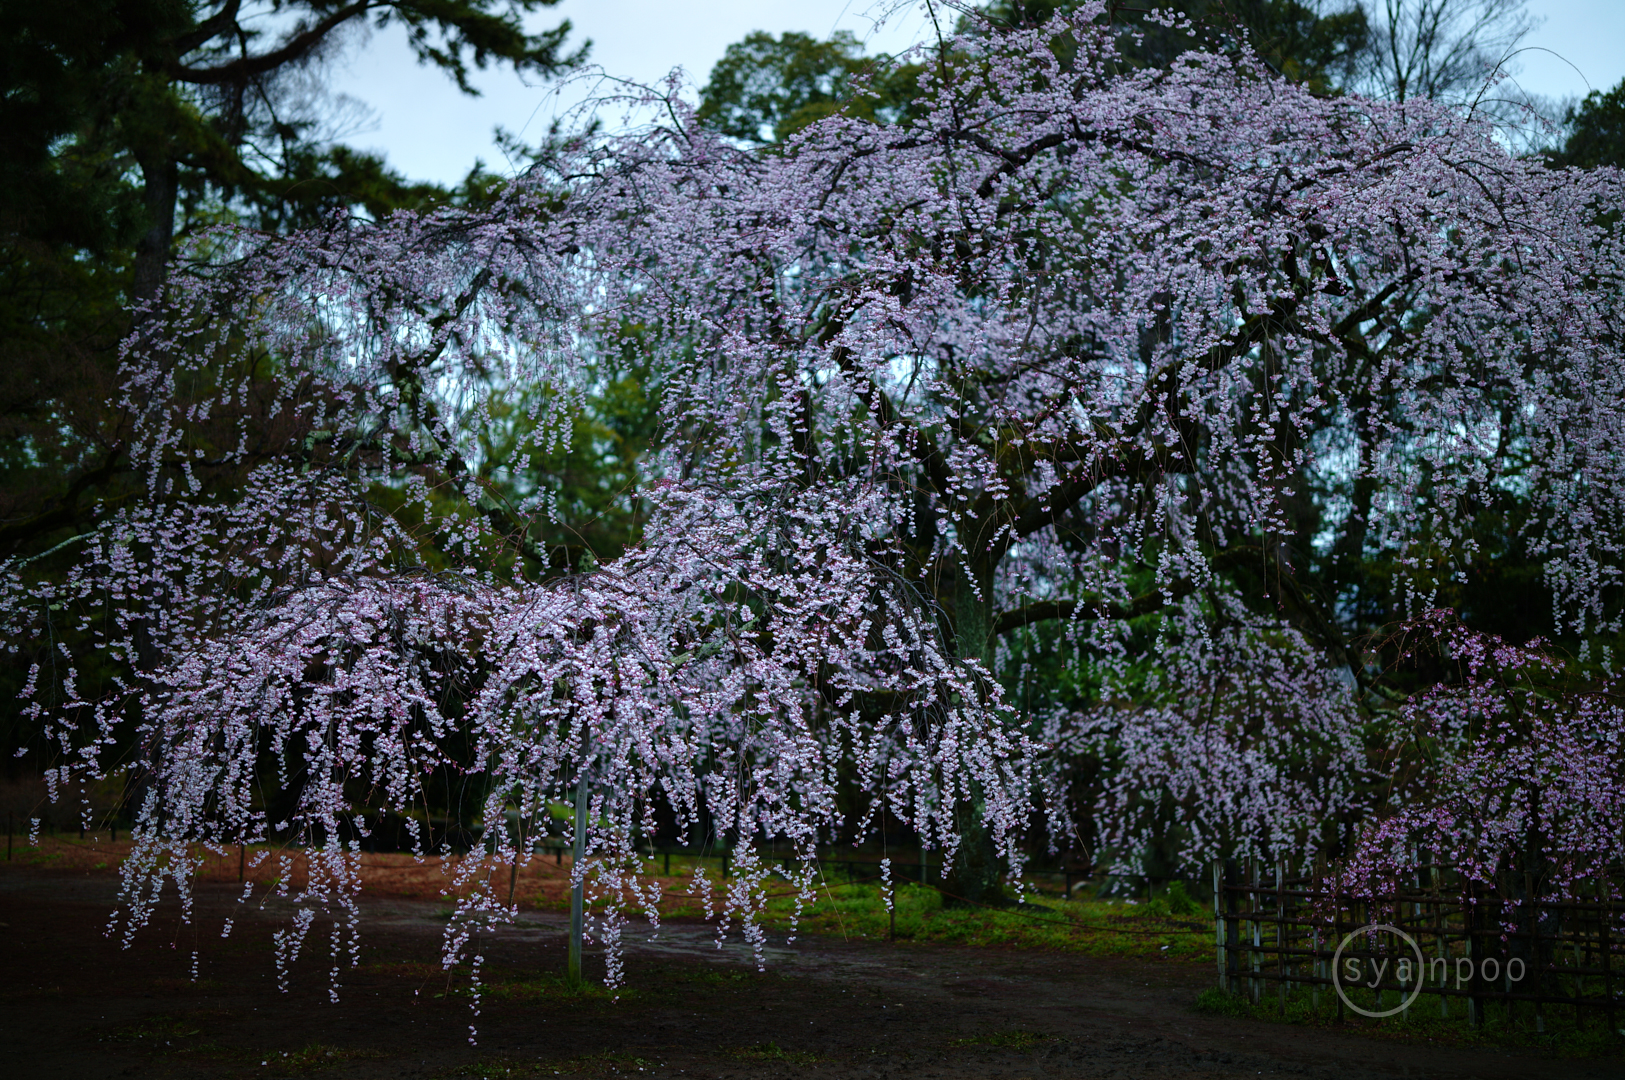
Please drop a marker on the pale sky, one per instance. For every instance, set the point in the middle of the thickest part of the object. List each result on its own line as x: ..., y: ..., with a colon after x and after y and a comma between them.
x: 428, y: 130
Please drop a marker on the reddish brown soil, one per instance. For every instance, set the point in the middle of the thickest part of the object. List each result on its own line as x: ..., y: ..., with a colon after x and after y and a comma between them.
x: 73, y: 1004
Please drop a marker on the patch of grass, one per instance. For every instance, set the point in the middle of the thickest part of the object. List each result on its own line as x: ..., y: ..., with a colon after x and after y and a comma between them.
x: 175, y: 1034
x: 168, y: 1027
x: 505, y: 1069
x: 502, y: 1069
x: 514, y: 1069
x: 499, y: 984
x: 405, y: 970
x: 1004, y: 1040
x: 1216, y: 1002
x: 1422, y: 1024
x: 1101, y: 927
x: 772, y: 1051
x: 551, y: 902
x: 548, y: 987
x: 723, y: 977
x: 157, y: 1030
x: 318, y: 1056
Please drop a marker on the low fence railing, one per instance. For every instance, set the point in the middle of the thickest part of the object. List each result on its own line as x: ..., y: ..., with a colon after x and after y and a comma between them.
x: 1457, y: 945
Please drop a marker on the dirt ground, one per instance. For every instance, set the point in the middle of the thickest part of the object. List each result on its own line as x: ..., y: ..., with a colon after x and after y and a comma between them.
x: 74, y: 1004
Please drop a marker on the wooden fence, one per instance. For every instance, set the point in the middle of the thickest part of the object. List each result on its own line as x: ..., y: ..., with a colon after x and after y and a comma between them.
x: 1279, y: 933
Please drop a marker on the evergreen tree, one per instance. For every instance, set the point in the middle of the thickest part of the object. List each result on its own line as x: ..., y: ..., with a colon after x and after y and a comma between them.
x: 1596, y: 131
x: 127, y: 124
x: 764, y: 89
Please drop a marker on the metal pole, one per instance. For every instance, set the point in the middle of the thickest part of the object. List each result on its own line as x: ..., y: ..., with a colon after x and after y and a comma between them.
x: 1218, y: 922
x: 577, y: 854
x: 513, y: 871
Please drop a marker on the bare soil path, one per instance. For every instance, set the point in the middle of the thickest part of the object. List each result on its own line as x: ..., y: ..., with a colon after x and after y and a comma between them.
x: 75, y: 1005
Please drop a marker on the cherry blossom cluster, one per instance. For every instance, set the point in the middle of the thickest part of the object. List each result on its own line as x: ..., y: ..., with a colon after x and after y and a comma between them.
x: 1239, y: 741
x: 1511, y: 770
x: 710, y: 672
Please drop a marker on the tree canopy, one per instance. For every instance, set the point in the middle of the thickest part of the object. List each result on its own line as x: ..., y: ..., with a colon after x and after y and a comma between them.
x: 1596, y: 133
x: 764, y: 88
x: 1135, y: 354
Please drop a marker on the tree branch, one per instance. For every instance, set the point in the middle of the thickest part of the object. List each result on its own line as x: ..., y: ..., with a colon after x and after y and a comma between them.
x: 1045, y: 610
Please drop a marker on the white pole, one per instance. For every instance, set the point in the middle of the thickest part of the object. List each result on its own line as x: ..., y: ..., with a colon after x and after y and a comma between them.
x: 577, y: 855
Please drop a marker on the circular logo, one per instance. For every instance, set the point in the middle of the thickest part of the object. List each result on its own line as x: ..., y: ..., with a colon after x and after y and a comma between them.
x: 1373, y: 928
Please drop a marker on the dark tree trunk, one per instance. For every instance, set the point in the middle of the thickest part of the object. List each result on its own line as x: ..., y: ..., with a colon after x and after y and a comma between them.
x: 976, y: 875
x: 160, y: 174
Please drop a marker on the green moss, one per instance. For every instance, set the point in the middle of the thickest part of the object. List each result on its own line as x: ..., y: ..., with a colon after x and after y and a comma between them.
x: 1006, y: 1040
x: 1100, y: 927
x: 771, y: 1051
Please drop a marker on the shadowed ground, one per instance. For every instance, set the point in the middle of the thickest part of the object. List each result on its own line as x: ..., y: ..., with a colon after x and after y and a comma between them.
x: 76, y: 1005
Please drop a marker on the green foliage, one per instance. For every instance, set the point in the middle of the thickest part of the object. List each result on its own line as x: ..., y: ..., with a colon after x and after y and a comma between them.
x: 1596, y: 131
x: 764, y: 89
x: 585, y: 491
x: 1178, y: 900
x: 1300, y: 40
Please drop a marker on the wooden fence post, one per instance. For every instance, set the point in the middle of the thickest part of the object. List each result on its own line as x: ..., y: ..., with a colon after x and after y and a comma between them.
x: 1316, y: 967
x: 1475, y: 1008
x: 1280, y: 935
x: 1337, y: 931
x: 1255, y: 988
x: 1440, y: 944
x: 1607, y: 964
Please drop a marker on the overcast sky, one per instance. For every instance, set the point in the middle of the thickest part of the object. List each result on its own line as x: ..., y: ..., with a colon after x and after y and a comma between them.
x: 428, y: 130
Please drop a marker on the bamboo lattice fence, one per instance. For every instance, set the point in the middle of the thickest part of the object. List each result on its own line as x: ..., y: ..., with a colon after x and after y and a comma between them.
x: 1279, y: 930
